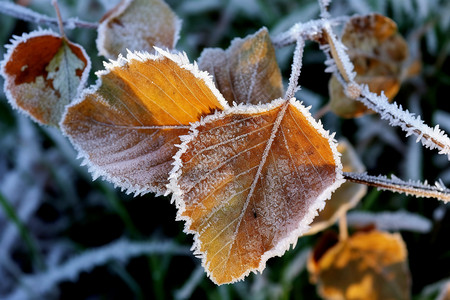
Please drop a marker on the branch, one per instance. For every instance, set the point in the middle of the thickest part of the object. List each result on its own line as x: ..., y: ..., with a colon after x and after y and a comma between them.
x: 293, y: 86
x: 340, y: 64
x: 26, y: 14
x: 395, y: 184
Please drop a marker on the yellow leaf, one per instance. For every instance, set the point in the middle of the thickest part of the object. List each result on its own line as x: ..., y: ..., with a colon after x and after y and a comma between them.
x: 367, y: 266
x: 126, y: 126
x: 249, y: 180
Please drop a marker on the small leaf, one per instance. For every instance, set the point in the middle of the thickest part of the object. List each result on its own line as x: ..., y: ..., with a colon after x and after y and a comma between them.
x: 249, y: 180
x: 137, y: 25
x: 378, y: 53
x: 43, y: 74
x: 346, y: 196
x: 127, y: 125
x: 247, y: 72
x: 368, y: 265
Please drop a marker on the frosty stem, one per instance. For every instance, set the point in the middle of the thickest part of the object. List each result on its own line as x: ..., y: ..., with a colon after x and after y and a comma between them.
x: 394, y: 184
x: 26, y: 14
x: 339, y: 63
x: 60, y: 19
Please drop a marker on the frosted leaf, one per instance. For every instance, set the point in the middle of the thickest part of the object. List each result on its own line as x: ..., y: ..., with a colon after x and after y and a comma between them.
x: 247, y: 72
x: 378, y: 53
x: 137, y: 25
x: 248, y: 181
x: 392, y: 221
x: 43, y: 73
x: 126, y: 126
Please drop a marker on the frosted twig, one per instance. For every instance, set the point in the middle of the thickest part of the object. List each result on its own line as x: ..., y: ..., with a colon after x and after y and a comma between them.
x: 394, y: 184
x: 59, y: 17
x: 324, y: 8
x: 121, y: 250
x: 185, y: 292
x: 26, y: 14
x: 296, y: 69
x: 430, y: 137
x: 340, y: 64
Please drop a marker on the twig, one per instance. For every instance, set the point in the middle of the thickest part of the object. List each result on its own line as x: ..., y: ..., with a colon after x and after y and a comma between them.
x: 26, y: 14
x: 60, y: 19
x: 296, y: 69
x: 394, y: 184
x: 339, y: 63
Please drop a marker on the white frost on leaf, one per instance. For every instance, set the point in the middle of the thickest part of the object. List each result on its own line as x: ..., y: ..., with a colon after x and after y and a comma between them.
x: 62, y: 69
x: 391, y: 221
x: 185, y: 188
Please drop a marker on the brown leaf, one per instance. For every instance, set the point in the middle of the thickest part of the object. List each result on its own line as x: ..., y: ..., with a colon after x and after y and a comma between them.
x: 346, y: 196
x: 247, y: 72
x: 43, y: 74
x: 126, y: 126
x: 249, y: 180
x: 367, y: 266
x: 137, y: 25
x: 378, y: 53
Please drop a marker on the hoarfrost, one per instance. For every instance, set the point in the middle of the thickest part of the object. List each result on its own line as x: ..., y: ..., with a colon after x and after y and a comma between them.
x: 120, y: 250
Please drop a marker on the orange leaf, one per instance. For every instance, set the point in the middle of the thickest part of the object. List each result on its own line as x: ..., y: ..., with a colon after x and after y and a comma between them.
x: 247, y: 72
x: 346, y: 196
x: 249, y: 180
x: 369, y: 265
x: 378, y: 53
x: 137, y: 25
x: 126, y: 126
x: 43, y: 74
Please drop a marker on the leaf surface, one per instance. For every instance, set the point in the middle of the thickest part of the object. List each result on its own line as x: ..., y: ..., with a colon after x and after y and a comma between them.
x: 127, y: 125
x: 378, y: 53
x: 137, y: 25
x: 43, y: 74
x: 248, y: 182
x: 247, y: 72
x: 346, y: 196
x: 368, y: 265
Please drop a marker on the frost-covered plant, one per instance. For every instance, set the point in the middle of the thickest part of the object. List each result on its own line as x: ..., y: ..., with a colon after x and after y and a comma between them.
x: 243, y: 168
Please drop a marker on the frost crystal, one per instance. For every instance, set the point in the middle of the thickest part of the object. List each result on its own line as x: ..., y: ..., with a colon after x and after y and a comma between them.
x: 430, y: 137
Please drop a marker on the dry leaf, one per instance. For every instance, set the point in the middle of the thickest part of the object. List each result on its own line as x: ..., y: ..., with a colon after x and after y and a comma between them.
x: 247, y: 72
x: 137, y: 25
x: 249, y: 180
x: 127, y: 125
x: 378, y: 53
x: 367, y: 266
x: 43, y: 74
x: 346, y: 196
